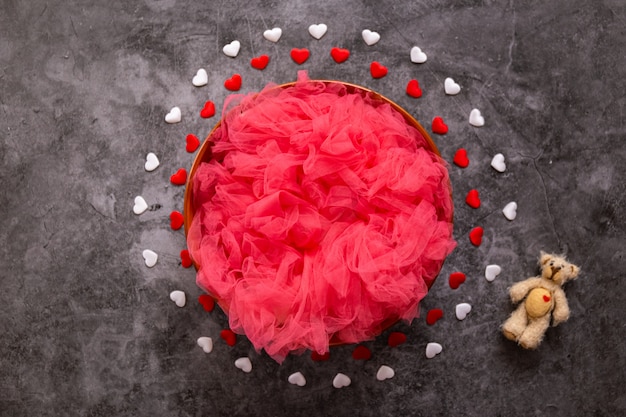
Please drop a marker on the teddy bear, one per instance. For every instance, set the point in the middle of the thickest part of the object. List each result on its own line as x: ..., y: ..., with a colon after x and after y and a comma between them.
x: 544, y: 301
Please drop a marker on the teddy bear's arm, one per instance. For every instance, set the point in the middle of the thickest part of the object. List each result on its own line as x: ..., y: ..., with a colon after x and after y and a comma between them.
x: 518, y: 291
x: 561, y: 308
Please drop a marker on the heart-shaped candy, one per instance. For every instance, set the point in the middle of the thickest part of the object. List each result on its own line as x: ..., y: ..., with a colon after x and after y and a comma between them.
x: 140, y: 205
x: 208, y: 110
x: 370, y: 38
x: 385, y: 372
x: 320, y: 357
x: 476, y: 235
x: 473, y: 199
x: 497, y: 162
x: 438, y: 126
x: 510, y: 211
x: 229, y: 337
x: 150, y: 257
x: 179, y: 298
x: 192, y: 143
x: 317, y: 31
x: 180, y: 177
x: 460, y: 158
x: 207, y: 302
x: 476, y: 119
x: 273, y: 35
x: 413, y: 89
x: 433, y: 349
x: 341, y: 380
x: 297, y: 379
x: 361, y: 353
x: 492, y: 271
x: 378, y: 70
x: 546, y: 298
x: 244, y: 364
x: 206, y: 343
x: 152, y: 162
x: 233, y: 83
x: 185, y: 258
x: 260, y: 62
x: 456, y: 279
x: 433, y: 316
x: 396, y: 339
x: 232, y: 49
x: 201, y: 78
x: 174, y: 116
x: 339, y: 55
x: 462, y: 310
x: 176, y: 220
x: 417, y: 56
x: 450, y: 87
x: 300, y: 56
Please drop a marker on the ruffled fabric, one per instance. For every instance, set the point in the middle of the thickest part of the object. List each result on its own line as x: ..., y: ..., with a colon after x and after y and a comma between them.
x: 322, y: 217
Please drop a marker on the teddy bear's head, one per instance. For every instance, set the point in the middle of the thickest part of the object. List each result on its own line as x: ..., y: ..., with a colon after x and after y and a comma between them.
x: 556, y: 268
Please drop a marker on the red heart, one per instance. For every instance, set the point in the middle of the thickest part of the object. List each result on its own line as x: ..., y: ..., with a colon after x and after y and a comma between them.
x: 339, y: 55
x: 378, y: 70
x: 300, y: 55
x: 208, y: 110
x: 260, y: 62
x: 361, y: 353
x: 472, y: 199
x: 460, y: 158
x: 396, y: 339
x: 320, y: 357
x: 456, y: 279
x: 185, y: 258
x: 433, y: 315
x: 476, y: 236
x: 180, y: 178
x: 208, y: 303
x: 229, y: 337
x: 192, y: 143
x: 233, y: 83
x: 176, y: 220
x: 546, y: 298
x: 439, y: 126
x: 413, y: 89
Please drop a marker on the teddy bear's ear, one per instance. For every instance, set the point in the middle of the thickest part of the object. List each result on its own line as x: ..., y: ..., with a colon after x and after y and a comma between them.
x: 574, y: 270
x: 544, y: 258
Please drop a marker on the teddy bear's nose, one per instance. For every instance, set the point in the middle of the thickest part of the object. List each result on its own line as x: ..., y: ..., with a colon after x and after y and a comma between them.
x: 555, y: 269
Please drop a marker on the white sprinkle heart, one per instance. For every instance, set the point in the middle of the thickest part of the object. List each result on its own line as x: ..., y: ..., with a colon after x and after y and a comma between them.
x: 201, y: 78
x: 140, y: 205
x: 317, y: 31
x: 174, y: 116
x: 150, y: 257
x: 417, y: 56
x: 206, y: 343
x: 341, y: 380
x: 179, y: 298
x: 492, y: 271
x: 370, y: 38
x: 244, y: 364
x: 385, y: 372
x: 273, y: 35
x: 497, y: 162
x: 450, y: 87
x: 462, y: 310
x: 433, y: 349
x: 297, y: 379
x: 510, y: 210
x: 152, y: 162
x: 476, y: 119
x: 232, y: 49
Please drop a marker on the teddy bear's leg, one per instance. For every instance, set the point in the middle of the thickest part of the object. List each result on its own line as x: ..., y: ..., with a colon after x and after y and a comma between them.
x: 534, y: 332
x: 515, y: 324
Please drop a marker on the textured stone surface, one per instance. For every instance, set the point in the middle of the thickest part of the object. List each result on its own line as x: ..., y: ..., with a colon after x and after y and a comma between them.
x: 86, y: 329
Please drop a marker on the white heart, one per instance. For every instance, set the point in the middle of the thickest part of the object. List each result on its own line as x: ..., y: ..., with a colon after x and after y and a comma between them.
x: 498, y: 162
x: 341, y: 380
x: 462, y: 310
x: 152, y: 162
x: 173, y: 116
x: 450, y: 87
x: 370, y: 38
x: 201, y: 78
x: 244, y: 364
x: 433, y: 349
x: 317, y: 31
x: 510, y: 210
x: 140, y: 205
x: 273, y: 35
x: 476, y: 119
x: 385, y: 372
x: 150, y: 258
x: 492, y: 271
x: 206, y: 343
x: 232, y: 49
x: 297, y: 379
x: 179, y: 298
x: 417, y: 56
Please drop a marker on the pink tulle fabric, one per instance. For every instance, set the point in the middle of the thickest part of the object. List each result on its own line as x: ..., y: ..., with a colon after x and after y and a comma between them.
x: 321, y: 218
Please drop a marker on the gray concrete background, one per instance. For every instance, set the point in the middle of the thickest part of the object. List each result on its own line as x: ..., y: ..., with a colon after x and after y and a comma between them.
x: 87, y: 330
